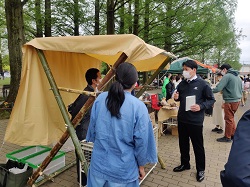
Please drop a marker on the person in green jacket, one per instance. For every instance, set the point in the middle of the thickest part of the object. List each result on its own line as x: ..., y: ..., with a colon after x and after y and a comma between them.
x: 165, y: 82
x: 231, y: 88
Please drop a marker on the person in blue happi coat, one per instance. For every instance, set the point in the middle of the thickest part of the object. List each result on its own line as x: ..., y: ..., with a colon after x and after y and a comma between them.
x: 122, y: 133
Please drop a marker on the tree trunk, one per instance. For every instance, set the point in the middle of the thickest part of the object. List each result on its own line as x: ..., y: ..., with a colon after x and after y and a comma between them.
x: 47, y: 20
x: 38, y: 18
x: 1, y: 66
x: 110, y: 17
x: 15, y: 28
x: 122, y: 18
x: 97, y: 19
x: 146, y: 22
x: 1, y: 60
x: 130, y: 27
x: 168, y: 40
x: 136, y: 18
x: 76, y: 18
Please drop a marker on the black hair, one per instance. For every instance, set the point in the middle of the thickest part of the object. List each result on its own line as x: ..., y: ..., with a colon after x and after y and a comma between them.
x: 227, y: 66
x: 91, y: 74
x: 126, y: 76
x: 191, y: 64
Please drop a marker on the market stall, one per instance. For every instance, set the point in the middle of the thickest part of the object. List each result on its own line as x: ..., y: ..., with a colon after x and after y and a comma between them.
x: 39, y: 114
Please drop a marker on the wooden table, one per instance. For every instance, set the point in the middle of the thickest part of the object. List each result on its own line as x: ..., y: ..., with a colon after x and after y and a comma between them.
x: 167, y: 112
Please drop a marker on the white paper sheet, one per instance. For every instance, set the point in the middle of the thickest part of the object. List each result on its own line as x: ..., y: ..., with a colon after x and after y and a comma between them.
x: 190, y: 100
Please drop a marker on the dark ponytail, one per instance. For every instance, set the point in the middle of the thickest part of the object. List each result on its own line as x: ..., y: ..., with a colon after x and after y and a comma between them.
x: 126, y: 76
x: 115, y: 99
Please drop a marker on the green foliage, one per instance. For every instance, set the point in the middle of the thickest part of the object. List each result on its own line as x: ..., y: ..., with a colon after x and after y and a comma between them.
x: 4, y: 113
x: 5, y: 110
x: 201, y: 29
x: 6, y: 63
x: 104, y: 68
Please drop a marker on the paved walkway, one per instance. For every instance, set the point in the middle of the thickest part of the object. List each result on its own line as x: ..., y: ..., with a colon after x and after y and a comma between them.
x: 216, y: 157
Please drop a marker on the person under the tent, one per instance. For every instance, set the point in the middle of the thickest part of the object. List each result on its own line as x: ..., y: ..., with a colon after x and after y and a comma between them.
x: 93, y: 77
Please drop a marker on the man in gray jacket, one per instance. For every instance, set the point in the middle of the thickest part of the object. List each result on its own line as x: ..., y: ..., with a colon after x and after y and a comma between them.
x: 231, y: 88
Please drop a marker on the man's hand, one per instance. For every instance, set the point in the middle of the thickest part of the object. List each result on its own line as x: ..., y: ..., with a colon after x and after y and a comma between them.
x: 176, y: 95
x: 195, y: 108
x: 141, y: 172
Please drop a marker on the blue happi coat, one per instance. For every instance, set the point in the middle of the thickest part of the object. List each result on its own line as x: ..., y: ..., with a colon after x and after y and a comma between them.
x: 120, y: 145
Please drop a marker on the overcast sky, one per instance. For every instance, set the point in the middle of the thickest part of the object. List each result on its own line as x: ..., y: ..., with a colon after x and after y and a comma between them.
x: 242, y: 18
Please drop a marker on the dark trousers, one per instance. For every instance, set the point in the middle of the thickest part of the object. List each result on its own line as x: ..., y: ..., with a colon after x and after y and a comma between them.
x: 195, y: 133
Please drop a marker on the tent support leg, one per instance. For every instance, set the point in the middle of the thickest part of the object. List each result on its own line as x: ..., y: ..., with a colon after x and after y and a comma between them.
x: 70, y: 128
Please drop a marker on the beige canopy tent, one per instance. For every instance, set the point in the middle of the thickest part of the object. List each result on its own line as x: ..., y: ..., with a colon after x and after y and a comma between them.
x: 36, y: 118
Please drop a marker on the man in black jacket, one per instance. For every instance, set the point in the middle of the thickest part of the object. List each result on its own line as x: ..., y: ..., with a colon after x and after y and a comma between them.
x: 93, y: 77
x: 190, y: 120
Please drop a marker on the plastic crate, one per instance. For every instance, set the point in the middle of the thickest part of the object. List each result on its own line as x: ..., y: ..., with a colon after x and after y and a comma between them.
x: 35, y: 155
x: 20, y: 154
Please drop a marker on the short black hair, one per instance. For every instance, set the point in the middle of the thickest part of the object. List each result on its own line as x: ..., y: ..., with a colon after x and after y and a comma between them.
x: 191, y: 64
x: 91, y: 74
x: 227, y: 66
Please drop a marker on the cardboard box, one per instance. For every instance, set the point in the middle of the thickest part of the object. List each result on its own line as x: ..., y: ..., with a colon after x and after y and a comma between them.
x: 174, y: 130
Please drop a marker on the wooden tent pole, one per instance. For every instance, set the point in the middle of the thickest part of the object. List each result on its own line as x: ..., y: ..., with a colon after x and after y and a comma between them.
x: 70, y: 128
x: 150, y: 80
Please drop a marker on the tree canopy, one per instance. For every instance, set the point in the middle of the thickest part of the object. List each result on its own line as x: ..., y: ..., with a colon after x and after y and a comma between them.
x: 201, y: 29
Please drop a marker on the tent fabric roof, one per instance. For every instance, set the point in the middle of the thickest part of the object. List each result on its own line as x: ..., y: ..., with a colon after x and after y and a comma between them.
x: 176, y: 66
x: 106, y: 48
x: 36, y: 118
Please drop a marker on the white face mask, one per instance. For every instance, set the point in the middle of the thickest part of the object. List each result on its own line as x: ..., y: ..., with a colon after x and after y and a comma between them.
x: 186, y: 74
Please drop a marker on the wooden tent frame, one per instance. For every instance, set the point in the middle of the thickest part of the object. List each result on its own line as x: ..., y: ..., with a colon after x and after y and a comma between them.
x: 70, y: 125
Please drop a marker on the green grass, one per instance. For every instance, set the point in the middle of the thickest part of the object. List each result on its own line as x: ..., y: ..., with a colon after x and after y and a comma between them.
x: 5, y: 81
